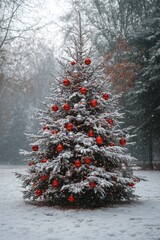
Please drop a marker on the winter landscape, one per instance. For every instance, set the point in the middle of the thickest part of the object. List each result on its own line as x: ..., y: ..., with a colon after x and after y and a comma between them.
x: 79, y: 120
x: 139, y: 220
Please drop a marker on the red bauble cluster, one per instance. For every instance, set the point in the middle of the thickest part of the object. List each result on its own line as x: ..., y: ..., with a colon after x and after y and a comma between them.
x: 59, y: 147
x: 44, y: 160
x: 54, y: 108
x: 105, y: 96
x: 38, y: 192
x: 35, y: 148
x: 73, y: 62
x: 99, y: 140
x: 92, y: 184
x: 91, y: 133
x: 87, y: 160
x: 71, y: 199
x: 55, y: 131
x: 83, y: 90
x: 69, y: 126
x: 110, y: 121
x: 87, y: 61
x: 77, y: 163
x: 45, y: 128
x: 122, y: 141
x: 94, y: 103
x: 55, y: 183
x: 66, y: 107
x: 66, y: 82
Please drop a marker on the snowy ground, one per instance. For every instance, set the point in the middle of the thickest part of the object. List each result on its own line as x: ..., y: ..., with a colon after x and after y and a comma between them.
x: 136, y: 221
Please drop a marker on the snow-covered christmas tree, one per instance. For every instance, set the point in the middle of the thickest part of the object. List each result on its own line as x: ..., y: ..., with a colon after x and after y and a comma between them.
x: 79, y: 156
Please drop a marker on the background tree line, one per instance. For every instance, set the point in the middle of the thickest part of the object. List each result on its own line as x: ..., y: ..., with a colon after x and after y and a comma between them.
x: 127, y: 34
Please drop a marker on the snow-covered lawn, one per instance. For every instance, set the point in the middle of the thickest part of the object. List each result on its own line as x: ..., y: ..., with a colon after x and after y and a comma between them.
x: 20, y: 221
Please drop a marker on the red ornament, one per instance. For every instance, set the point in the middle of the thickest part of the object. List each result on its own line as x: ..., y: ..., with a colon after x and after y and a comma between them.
x: 44, y: 177
x: 38, y: 192
x: 83, y: 90
x: 59, y: 147
x: 105, y: 96
x: 31, y: 163
x: 87, y: 160
x: 99, y: 140
x: 69, y: 126
x: 66, y: 82
x: 94, y: 103
x: 87, y: 61
x: 92, y: 184
x: 45, y: 128
x: 77, y: 163
x: 35, y: 148
x: 110, y: 121
x: 122, y: 141
x: 55, y: 183
x: 44, y: 160
x: 73, y: 63
x: 91, y: 133
x: 131, y: 184
x: 111, y: 144
x: 66, y: 107
x: 71, y: 198
x: 55, y: 131
x: 54, y: 108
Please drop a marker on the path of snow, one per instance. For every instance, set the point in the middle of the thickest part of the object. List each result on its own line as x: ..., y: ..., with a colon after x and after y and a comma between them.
x: 136, y: 221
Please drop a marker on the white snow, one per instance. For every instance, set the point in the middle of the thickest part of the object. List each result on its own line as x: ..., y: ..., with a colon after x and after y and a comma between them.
x: 139, y: 220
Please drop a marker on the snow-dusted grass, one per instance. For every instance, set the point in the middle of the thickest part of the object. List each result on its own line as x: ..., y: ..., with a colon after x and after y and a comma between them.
x: 139, y: 220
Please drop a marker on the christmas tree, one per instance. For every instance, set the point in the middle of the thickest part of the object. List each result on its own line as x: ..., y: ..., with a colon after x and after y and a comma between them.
x: 79, y: 156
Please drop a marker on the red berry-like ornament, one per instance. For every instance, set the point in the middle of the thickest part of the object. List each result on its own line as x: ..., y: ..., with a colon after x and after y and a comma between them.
x: 110, y: 121
x: 66, y: 107
x: 59, y: 147
x: 44, y: 177
x: 31, y: 164
x: 69, y: 126
x: 73, y: 63
x: 87, y: 61
x: 91, y: 133
x: 111, y: 144
x: 92, y: 184
x: 77, y: 163
x: 87, y: 160
x: 54, y: 108
x: 55, y: 131
x: 83, y: 90
x: 66, y: 82
x: 105, y: 96
x: 38, y: 192
x: 99, y: 140
x: 35, y: 148
x: 122, y: 141
x: 45, y: 128
x: 94, y: 103
x: 131, y: 184
x: 55, y: 183
x: 71, y: 199
x: 44, y: 160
